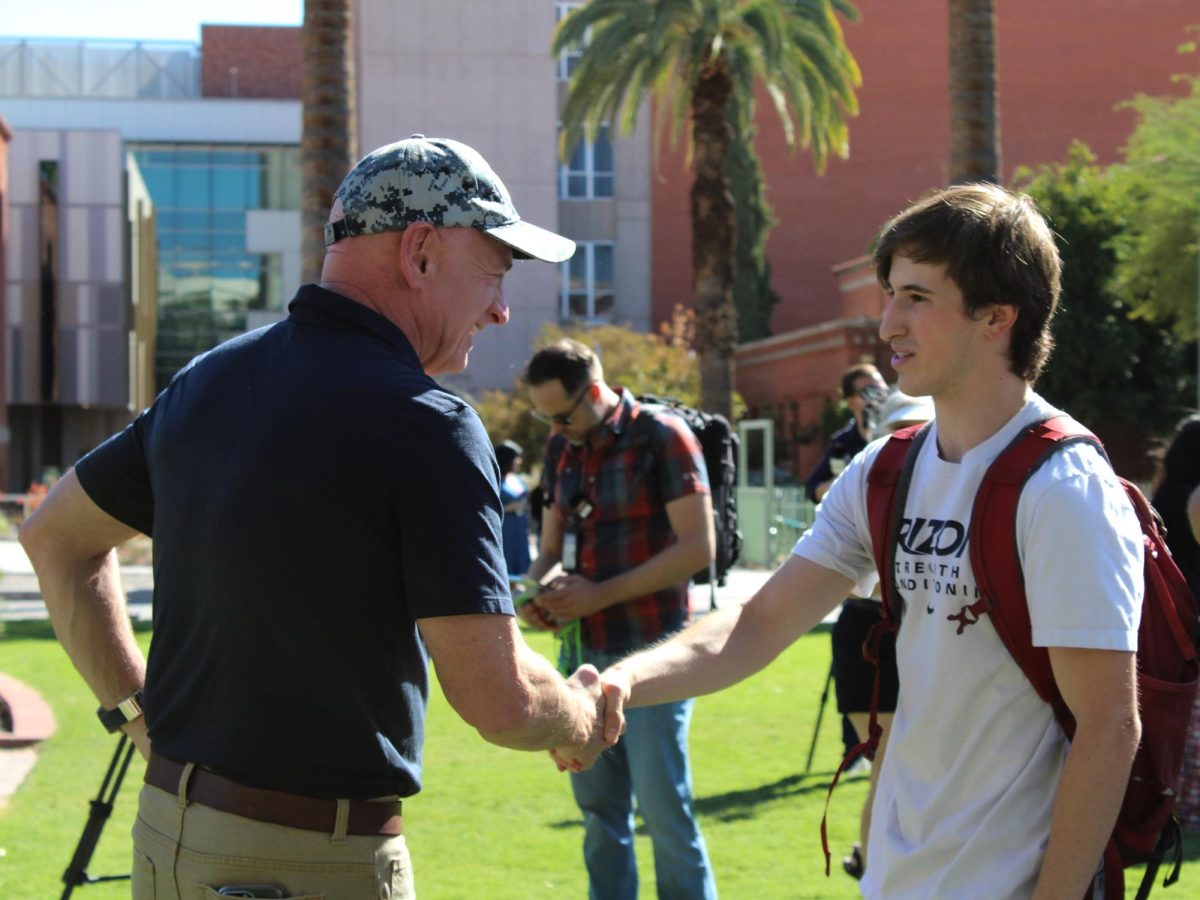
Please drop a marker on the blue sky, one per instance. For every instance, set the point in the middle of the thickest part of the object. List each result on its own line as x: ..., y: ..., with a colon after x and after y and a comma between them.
x: 174, y: 20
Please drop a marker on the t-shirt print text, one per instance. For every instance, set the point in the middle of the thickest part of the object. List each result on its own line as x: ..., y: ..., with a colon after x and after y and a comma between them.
x: 940, y: 545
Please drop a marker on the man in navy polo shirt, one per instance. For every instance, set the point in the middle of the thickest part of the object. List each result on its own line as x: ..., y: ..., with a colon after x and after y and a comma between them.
x: 286, y: 685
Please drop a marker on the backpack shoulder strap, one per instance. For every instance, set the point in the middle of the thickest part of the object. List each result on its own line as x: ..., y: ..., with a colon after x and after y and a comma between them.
x: 995, y: 559
x: 887, y: 490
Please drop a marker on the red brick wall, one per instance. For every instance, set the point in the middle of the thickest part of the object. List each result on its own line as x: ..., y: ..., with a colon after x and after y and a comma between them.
x: 266, y: 59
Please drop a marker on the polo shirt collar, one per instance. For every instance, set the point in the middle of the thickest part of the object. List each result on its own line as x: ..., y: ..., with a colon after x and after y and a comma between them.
x: 317, y: 306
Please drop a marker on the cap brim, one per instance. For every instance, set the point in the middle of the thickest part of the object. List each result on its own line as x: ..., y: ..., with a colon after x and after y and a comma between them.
x: 531, y: 242
x: 910, y: 412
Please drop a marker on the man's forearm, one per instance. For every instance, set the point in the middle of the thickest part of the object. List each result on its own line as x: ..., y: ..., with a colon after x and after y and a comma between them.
x: 87, y: 607
x: 731, y: 644
x: 1089, y: 797
x: 555, y: 714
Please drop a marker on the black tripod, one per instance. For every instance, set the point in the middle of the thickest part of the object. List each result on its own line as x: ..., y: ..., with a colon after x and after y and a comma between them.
x: 101, y: 808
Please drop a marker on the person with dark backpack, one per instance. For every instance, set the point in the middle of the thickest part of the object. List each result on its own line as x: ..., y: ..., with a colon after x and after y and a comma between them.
x: 983, y: 792
x: 628, y: 517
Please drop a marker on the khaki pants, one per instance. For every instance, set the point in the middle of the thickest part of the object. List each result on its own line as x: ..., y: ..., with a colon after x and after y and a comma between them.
x: 188, y: 851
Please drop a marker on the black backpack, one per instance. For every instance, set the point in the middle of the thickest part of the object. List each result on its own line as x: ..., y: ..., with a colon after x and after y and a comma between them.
x: 720, y: 445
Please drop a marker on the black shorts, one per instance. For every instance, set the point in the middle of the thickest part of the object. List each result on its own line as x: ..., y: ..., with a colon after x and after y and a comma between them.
x: 853, y: 674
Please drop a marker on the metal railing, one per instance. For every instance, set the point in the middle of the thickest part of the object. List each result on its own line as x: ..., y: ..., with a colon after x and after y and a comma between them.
x: 96, y: 68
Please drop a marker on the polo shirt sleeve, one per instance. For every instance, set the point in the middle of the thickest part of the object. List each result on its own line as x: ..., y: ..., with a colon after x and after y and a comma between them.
x: 116, y: 477
x: 679, y: 459
x: 450, y: 514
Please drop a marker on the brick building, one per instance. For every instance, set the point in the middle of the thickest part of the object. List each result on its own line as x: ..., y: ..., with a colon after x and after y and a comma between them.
x: 1063, y: 70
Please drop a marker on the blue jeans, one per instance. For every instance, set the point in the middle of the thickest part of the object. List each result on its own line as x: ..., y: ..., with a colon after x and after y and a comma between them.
x: 650, y: 763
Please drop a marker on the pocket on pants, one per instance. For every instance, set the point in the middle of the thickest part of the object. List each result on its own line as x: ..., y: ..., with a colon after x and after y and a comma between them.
x: 205, y: 892
x: 396, y: 875
x: 142, y: 880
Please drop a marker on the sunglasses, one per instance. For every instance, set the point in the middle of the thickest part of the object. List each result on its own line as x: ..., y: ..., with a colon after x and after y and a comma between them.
x: 562, y: 418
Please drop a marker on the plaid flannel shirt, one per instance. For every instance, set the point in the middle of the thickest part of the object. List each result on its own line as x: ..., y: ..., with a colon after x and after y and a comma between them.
x: 645, y: 458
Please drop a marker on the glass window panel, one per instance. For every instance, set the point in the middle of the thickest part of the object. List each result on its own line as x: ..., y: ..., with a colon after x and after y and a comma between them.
x: 602, y: 186
x: 232, y: 188
x: 160, y: 182
x: 577, y: 306
x: 578, y: 161
x: 194, y: 186
x: 604, y: 304
x: 604, y: 264
x: 603, y: 153
x: 191, y: 157
x: 225, y: 243
x: 577, y: 186
x: 228, y: 221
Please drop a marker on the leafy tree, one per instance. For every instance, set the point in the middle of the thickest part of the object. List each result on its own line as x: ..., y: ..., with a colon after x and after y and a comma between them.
x: 752, y: 294
x: 1124, y: 377
x: 974, y: 111
x: 1157, y: 256
x: 692, y: 56
x: 329, y: 132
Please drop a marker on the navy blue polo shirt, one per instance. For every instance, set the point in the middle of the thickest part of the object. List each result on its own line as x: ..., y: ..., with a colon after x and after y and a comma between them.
x: 311, y: 493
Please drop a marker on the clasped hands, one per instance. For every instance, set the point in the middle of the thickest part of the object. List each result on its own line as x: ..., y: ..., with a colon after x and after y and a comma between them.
x: 607, y: 694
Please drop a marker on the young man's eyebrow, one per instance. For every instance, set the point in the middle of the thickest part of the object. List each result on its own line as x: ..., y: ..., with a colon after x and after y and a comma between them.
x: 913, y: 289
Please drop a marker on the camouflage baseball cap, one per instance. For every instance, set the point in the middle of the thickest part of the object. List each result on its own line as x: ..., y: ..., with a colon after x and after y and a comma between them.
x: 441, y: 182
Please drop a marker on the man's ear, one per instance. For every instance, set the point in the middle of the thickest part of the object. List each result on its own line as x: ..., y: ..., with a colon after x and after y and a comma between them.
x: 418, y: 243
x: 1000, y: 319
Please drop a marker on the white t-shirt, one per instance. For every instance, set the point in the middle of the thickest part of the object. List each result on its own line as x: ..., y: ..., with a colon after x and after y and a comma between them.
x: 968, y: 783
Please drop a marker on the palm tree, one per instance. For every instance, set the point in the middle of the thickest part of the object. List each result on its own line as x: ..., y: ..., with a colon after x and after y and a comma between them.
x: 974, y: 111
x: 692, y: 56
x: 329, y: 132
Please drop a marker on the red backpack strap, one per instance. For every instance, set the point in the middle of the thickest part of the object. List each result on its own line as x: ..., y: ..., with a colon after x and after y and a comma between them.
x: 995, y: 559
x: 887, y: 489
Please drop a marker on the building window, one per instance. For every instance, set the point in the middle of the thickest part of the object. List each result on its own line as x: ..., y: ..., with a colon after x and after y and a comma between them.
x: 589, y: 173
x: 587, y: 282
x: 207, y: 278
x: 568, y: 60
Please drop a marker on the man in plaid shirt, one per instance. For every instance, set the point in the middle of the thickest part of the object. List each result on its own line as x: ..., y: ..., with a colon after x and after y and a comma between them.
x: 629, y: 517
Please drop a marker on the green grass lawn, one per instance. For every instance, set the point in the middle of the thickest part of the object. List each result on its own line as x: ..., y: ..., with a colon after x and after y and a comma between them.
x: 490, y: 822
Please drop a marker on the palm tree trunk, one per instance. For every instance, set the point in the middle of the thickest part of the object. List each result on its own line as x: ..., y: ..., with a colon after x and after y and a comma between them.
x: 713, y: 239
x: 328, y: 141
x: 974, y: 107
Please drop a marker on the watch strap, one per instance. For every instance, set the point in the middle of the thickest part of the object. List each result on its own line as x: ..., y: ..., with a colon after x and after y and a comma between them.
x: 126, y: 711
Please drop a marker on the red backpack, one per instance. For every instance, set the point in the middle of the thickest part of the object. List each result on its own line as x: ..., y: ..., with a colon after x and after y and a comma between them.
x: 1167, y: 667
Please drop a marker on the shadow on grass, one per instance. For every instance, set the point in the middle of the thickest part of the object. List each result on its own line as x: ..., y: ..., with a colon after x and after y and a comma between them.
x: 41, y: 629
x: 1191, y: 844
x: 735, y: 806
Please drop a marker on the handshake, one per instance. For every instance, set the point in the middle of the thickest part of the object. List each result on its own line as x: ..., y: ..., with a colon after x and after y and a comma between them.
x: 601, y: 716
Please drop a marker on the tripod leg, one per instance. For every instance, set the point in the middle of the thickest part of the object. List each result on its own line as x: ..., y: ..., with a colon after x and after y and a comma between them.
x: 100, y: 809
x: 812, y: 748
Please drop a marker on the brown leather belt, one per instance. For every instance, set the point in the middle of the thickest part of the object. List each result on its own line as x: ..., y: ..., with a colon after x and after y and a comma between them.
x: 367, y: 817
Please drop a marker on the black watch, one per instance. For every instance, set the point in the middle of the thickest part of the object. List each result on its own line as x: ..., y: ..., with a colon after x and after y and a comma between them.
x: 125, y: 711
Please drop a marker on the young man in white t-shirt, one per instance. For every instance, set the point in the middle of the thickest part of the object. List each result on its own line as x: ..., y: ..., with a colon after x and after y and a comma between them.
x: 980, y: 793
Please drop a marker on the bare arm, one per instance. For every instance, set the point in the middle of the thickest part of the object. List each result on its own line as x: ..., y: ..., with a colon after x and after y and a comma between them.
x: 549, y: 556
x: 692, y: 550
x: 727, y: 646
x: 509, y: 693
x: 550, y: 544
x: 1100, y: 688
x: 71, y: 542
